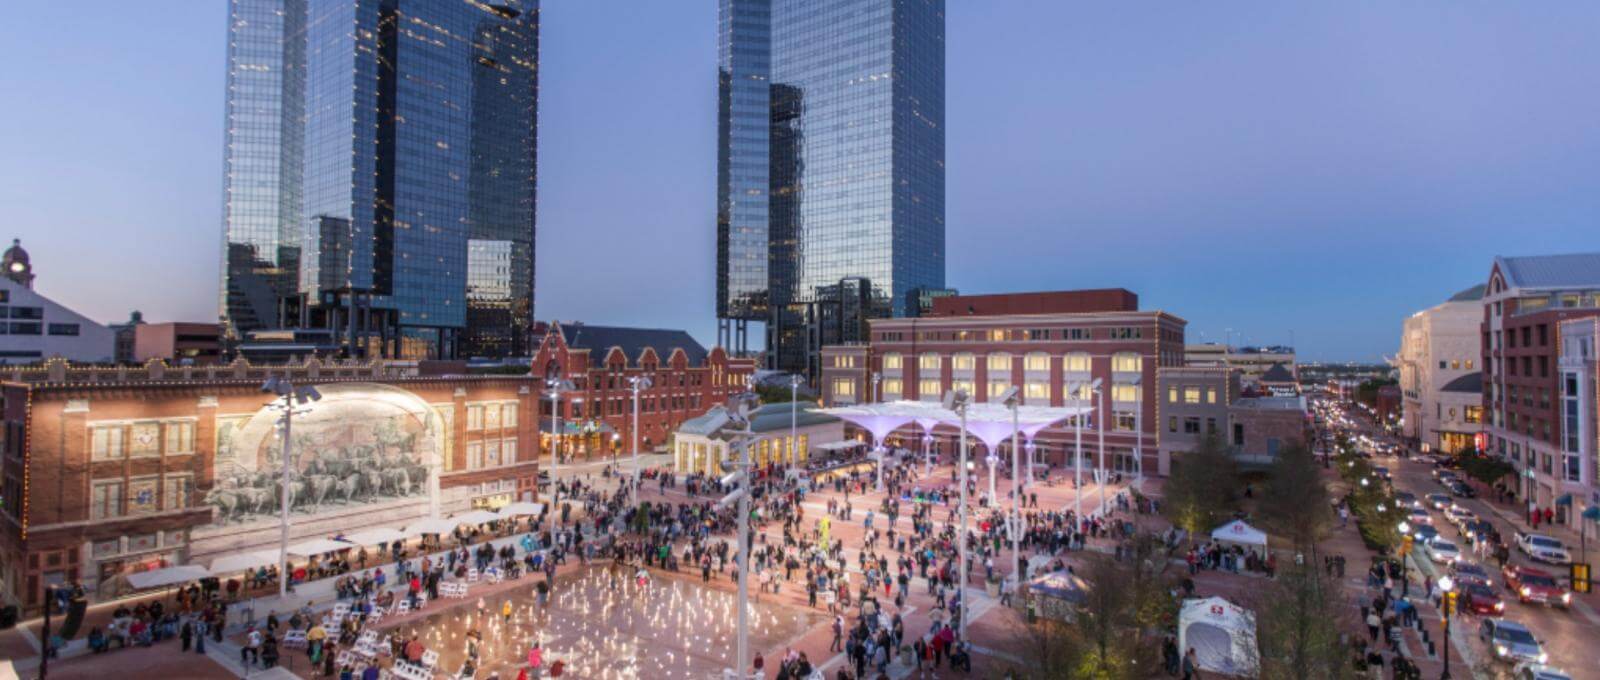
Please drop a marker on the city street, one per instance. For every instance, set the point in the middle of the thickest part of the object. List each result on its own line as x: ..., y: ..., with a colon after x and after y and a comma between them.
x: 1568, y: 636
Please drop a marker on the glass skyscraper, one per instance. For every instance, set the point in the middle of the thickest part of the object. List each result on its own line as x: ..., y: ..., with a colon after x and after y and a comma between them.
x: 405, y: 175
x: 830, y: 168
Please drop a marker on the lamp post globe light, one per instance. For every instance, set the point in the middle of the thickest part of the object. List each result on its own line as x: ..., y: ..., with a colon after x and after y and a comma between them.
x: 556, y: 387
x: 1447, y: 588
x: 639, y: 383
x: 957, y: 401
x: 794, y: 423
x: 739, y: 437
x: 1013, y: 400
x: 1405, y: 576
x: 287, y: 398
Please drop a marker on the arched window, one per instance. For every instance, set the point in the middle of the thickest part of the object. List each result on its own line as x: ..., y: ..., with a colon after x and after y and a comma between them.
x: 1036, y: 361
x: 1129, y: 362
x: 892, y: 361
x: 999, y: 361
x: 1076, y: 362
x: 929, y: 361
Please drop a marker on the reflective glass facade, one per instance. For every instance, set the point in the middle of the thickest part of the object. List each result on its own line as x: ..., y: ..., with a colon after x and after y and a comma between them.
x: 419, y: 133
x: 851, y: 158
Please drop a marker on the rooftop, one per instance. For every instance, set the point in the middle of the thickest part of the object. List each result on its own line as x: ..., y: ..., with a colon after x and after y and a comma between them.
x: 1571, y: 270
x: 632, y: 341
x: 1052, y: 302
x: 1470, y: 383
x: 1469, y: 295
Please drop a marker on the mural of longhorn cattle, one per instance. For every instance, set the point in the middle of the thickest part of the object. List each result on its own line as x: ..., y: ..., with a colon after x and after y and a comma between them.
x: 350, y: 449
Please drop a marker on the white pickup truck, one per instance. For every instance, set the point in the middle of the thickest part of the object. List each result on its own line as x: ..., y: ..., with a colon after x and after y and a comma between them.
x: 1542, y: 548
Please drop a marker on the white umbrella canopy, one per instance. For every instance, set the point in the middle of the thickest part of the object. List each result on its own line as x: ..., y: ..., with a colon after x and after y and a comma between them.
x: 317, y: 546
x: 521, y: 508
x: 374, y: 536
x: 243, y: 561
x: 431, y: 525
x: 167, y: 576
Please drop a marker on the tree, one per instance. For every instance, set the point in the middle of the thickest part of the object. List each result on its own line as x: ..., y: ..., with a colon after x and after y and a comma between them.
x: 1485, y: 469
x: 1295, y: 501
x: 1108, y: 614
x: 1298, y: 619
x: 1199, y: 491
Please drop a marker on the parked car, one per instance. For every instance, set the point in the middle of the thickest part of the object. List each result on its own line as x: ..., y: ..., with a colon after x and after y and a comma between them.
x: 1542, y: 548
x: 1468, y: 572
x: 1406, y: 499
x: 1425, y: 533
x: 1538, y: 671
x: 1438, y: 501
x: 1511, y: 642
x: 1441, y: 475
x: 1461, y: 489
x: 1480, y: 599
x: 1535, y: 585
x: 1420, y: 517
x: 1441, y: 551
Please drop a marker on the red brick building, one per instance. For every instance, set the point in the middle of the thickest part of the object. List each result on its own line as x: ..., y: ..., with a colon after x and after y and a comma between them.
x: 108, y: 471
x: 597, y: 417
x: 1040, y: 342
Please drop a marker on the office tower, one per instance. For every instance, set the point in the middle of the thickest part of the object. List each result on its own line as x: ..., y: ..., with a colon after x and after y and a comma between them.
x: 381, y: 173
x: 830, y: 168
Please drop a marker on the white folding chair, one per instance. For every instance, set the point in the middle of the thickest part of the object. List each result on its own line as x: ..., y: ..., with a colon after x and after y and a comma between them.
x: 403, y: 606
x: 472, y: 575
x: 430, y: 659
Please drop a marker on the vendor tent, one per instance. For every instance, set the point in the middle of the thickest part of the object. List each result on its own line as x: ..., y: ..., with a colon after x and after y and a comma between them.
x: 1058, y: 594
x: 374, y: 536
x: 431, y: 525
x: 1222, y: 635
x: 243, y: 561
x: 476, y: 517
x: 521, y: 509
x: 317, y: 546
x: 156, y: 578
x: 1239, y: 533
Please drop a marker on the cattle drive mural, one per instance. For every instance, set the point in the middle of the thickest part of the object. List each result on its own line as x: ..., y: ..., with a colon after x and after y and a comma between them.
x: 362, y: 443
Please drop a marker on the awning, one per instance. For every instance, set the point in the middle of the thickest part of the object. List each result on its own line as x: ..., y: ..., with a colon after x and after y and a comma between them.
x: 1564, y: 499
x: 243, y: 561
x: 374, y: 536
x: 1592, y: 513
x: 317, y: 546
x: 431, y: 525
x: 156, y: 578
x: 521, y: 509
x: 841, y: 445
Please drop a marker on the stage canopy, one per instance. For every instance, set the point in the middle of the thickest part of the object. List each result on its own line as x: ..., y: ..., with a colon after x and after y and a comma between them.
x: 374, y: 536
x: 168, y: 576
x: 317, y: 546
x: 243, y: 561
x: 521, y: 509
x: 990, y: 423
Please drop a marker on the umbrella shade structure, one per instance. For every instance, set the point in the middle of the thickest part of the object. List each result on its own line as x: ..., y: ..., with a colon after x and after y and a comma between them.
x: 521, y: 509
x: 317, y: 546
x: 156, y: 578
x: 243, y: 561
x: 374, y: 536
x: 989, y: 421
x: 431, y: 525
x: 476, y: 517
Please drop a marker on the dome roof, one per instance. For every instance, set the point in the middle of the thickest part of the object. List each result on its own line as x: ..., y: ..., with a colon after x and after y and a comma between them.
x: 15, y: 253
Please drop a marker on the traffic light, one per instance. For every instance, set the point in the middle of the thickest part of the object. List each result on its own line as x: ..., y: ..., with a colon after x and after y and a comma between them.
x: 1450, y: 603
x: 1405, y: 546
x: 1580, y: 577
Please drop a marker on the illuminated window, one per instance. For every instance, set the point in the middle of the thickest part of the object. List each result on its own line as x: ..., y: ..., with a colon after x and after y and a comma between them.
x: 962, y: 385
x: 1036, y: 361
x: 928, y: 361
x: 998, y: 387
x: 1124, y: 392
x: 1083, y: 392
x: 997, y: 335
x: 964, y: 362
x: 1211, y: 395
x: 1191, y: 395
x: 1077, y: 362
x: 844, y: 387
x: 892, y: 388
x: 1000, y: 362
x: 1037, y: 392
x: 1172, y: 394
x: 891, y: 361
x: 1126, y: 362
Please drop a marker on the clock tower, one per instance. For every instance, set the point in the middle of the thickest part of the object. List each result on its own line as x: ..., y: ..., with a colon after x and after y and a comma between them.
x: 16, y: 265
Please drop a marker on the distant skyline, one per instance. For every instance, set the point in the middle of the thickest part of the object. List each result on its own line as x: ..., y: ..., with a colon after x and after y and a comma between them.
x: 1316, y: 170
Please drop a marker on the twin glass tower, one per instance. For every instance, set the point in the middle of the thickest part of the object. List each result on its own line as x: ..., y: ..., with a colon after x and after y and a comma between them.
x: 380, y: 174
x: 830, y: 169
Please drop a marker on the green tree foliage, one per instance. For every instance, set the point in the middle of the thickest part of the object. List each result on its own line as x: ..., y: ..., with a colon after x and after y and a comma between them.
x: 1294, y: 503
x: 1298, y: 623
x: 1200, y: 490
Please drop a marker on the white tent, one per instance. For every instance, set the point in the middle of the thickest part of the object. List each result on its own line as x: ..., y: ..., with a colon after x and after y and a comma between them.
x: 243, y: 561
x: 431, y: 525
x: 168, y: 576
x: 521, y: 509
x: 1239, y: 533
x: 374, y: 536
x: 476, y: 517
x: 1222, y: 635
x: 317, y: 546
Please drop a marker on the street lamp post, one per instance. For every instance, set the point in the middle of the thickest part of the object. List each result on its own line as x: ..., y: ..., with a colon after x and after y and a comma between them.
x: 1100, y: 427
x: 557, y: 386
x: 957, y: 400
x: 1013, y: 400
x: 794, y: 422
x: 1077, y: 456
x: 1447, y: 588
x: 1138, y: 429
x: 739, y: 438
x: 1405, y: 575
x: 291, y: 397
x: 639, y: 383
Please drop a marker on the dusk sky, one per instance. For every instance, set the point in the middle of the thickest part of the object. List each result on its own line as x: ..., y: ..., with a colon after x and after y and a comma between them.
x: 1316, y: 168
